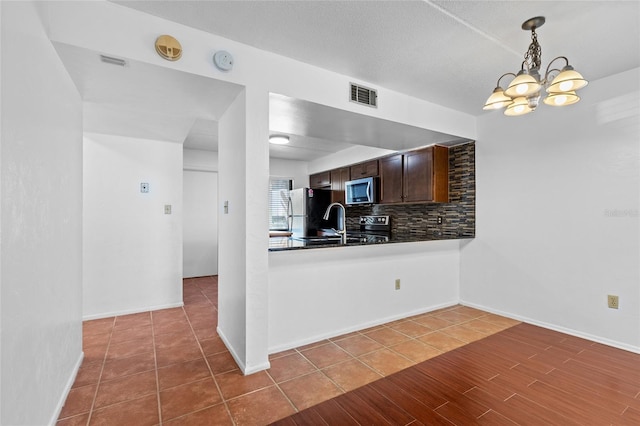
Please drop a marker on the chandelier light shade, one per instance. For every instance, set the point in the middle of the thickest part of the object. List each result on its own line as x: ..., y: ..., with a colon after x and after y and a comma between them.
x: 519, y: 106
x: 497, y: 100
x: 568, y: 80
x: 523, y: 93
x: 561, y: 98
x: 523, y: 85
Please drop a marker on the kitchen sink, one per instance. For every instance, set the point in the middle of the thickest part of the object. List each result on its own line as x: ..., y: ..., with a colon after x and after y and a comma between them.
x: 325, y: 239
x: 352, y: 238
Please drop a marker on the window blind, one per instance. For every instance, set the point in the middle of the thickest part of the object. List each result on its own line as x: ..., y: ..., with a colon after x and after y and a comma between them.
x: 278, y: 203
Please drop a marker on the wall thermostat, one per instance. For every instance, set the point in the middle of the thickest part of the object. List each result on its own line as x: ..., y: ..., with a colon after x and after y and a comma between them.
x: 223, y: 60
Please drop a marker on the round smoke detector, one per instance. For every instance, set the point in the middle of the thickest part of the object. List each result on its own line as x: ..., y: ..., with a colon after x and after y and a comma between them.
x: 223, y: 60
x: 168, y: 48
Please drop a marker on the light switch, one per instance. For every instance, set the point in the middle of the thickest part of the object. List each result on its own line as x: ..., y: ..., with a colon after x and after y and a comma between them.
x: 226, y: 207
x: 167, y: 209
x: 144, y: 187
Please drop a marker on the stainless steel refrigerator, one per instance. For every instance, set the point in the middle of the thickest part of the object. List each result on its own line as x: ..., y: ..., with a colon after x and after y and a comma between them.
x: 307, y: 206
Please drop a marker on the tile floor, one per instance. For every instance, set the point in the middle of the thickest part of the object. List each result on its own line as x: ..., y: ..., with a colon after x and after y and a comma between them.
x: 170, y: 367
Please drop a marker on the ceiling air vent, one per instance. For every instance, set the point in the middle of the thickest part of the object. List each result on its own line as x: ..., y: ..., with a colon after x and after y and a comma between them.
x: 364, y: 95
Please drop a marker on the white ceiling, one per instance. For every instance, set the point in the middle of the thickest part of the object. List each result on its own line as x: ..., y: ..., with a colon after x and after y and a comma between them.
x: 447, y: 52
x: 146, y: 101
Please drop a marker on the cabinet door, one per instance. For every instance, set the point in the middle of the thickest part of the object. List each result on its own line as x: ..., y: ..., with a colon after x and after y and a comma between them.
x: 418, y: 175
x: 363, y: 170
x: 338, y: 179
x: 320, y: 180
x: 440, y: 174
x: 391, y: 179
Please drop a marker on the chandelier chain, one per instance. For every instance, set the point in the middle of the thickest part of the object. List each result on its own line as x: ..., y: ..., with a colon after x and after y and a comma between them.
x: 533, y: 57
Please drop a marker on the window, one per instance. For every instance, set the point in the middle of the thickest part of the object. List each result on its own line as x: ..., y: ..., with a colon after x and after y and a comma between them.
x: 279, y: 203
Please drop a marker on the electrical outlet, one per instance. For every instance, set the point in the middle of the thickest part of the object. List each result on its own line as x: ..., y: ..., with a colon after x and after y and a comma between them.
x: 612, y: 301
x: 167, y: 209
x: 439, y: 220
x: 397, y: 283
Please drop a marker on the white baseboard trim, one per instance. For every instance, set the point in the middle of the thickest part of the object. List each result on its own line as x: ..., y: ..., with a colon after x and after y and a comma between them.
x: 256, y: 368
x: 569, y: 331
x: 67, y: 389
x: 243, y: 367
x: 132, y: 311
x: 362, y: 326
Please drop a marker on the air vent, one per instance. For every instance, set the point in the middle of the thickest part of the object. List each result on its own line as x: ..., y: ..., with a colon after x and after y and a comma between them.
x: 113, y: 61
x: 364, y: 96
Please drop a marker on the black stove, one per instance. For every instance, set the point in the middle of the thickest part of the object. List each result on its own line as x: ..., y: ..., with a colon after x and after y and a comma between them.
x: 373, y: 229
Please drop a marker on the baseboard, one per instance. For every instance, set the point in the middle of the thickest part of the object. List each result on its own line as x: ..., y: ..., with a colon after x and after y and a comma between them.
x: 362, y: 326
x: 67, y: 389
x: 243, y: 367
x: 132, y: 311
x: 554, y: 327
x: 257, y: 368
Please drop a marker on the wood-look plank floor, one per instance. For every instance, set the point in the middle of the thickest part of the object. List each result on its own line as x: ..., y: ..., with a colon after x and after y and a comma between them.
x: 525, y: 375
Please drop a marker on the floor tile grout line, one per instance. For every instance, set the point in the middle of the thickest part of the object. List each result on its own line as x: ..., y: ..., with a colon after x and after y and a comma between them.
x: 413, y: 363
x: 155, y: 363
x: 104, y: 361
x: 319, y: 370
x: 298, y: 351
x: 296, y: 409
x: 354, y: 359
x: 224, y: 401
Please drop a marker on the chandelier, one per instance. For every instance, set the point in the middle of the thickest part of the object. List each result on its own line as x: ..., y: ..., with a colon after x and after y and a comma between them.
x: 523, y: 93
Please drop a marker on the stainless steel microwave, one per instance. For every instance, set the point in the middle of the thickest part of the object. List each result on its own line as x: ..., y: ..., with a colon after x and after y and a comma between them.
x: 360, y: 191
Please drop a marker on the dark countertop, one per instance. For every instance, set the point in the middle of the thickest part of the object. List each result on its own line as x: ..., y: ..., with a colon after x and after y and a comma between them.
x: 288, y: 243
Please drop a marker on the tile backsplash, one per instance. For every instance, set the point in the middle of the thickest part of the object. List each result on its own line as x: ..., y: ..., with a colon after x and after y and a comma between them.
x: 458, y: 215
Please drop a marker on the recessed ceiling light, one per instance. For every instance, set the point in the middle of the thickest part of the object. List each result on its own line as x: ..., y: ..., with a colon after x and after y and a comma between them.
x: 279, y: 139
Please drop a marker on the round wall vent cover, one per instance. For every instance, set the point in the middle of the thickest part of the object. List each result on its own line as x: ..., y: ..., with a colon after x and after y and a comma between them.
x: 168, y: 47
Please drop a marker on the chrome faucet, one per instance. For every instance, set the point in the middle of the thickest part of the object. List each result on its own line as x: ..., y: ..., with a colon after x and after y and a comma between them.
x: 342, y: 220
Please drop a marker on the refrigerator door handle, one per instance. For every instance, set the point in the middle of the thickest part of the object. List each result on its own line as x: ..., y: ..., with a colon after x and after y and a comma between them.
x: 289, y: 213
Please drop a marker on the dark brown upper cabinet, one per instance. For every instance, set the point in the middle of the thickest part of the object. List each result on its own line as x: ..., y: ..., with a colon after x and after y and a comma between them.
x: 363, y: 170
x: 391, y: 179
x: 419, y: 176
x: 320, y: 180
x: 338, y: 179
x: 415, y: 176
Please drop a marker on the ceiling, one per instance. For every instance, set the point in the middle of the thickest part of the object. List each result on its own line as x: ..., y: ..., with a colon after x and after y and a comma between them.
x: 447, y: 52
x: 146, y: 101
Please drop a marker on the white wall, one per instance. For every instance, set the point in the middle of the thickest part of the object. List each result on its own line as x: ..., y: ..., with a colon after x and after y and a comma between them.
x: 132, y: 249
x: 41, y: 211
x: 200, y: 218
x: 321, y: 293
x: 296, y: 170
x: 243, y: 230
x: 232, y: 295
x: 90, y: 25
x: 199, y: 224
x: 352, y: 155
x: 557, y: 215
x: 196, y: 159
